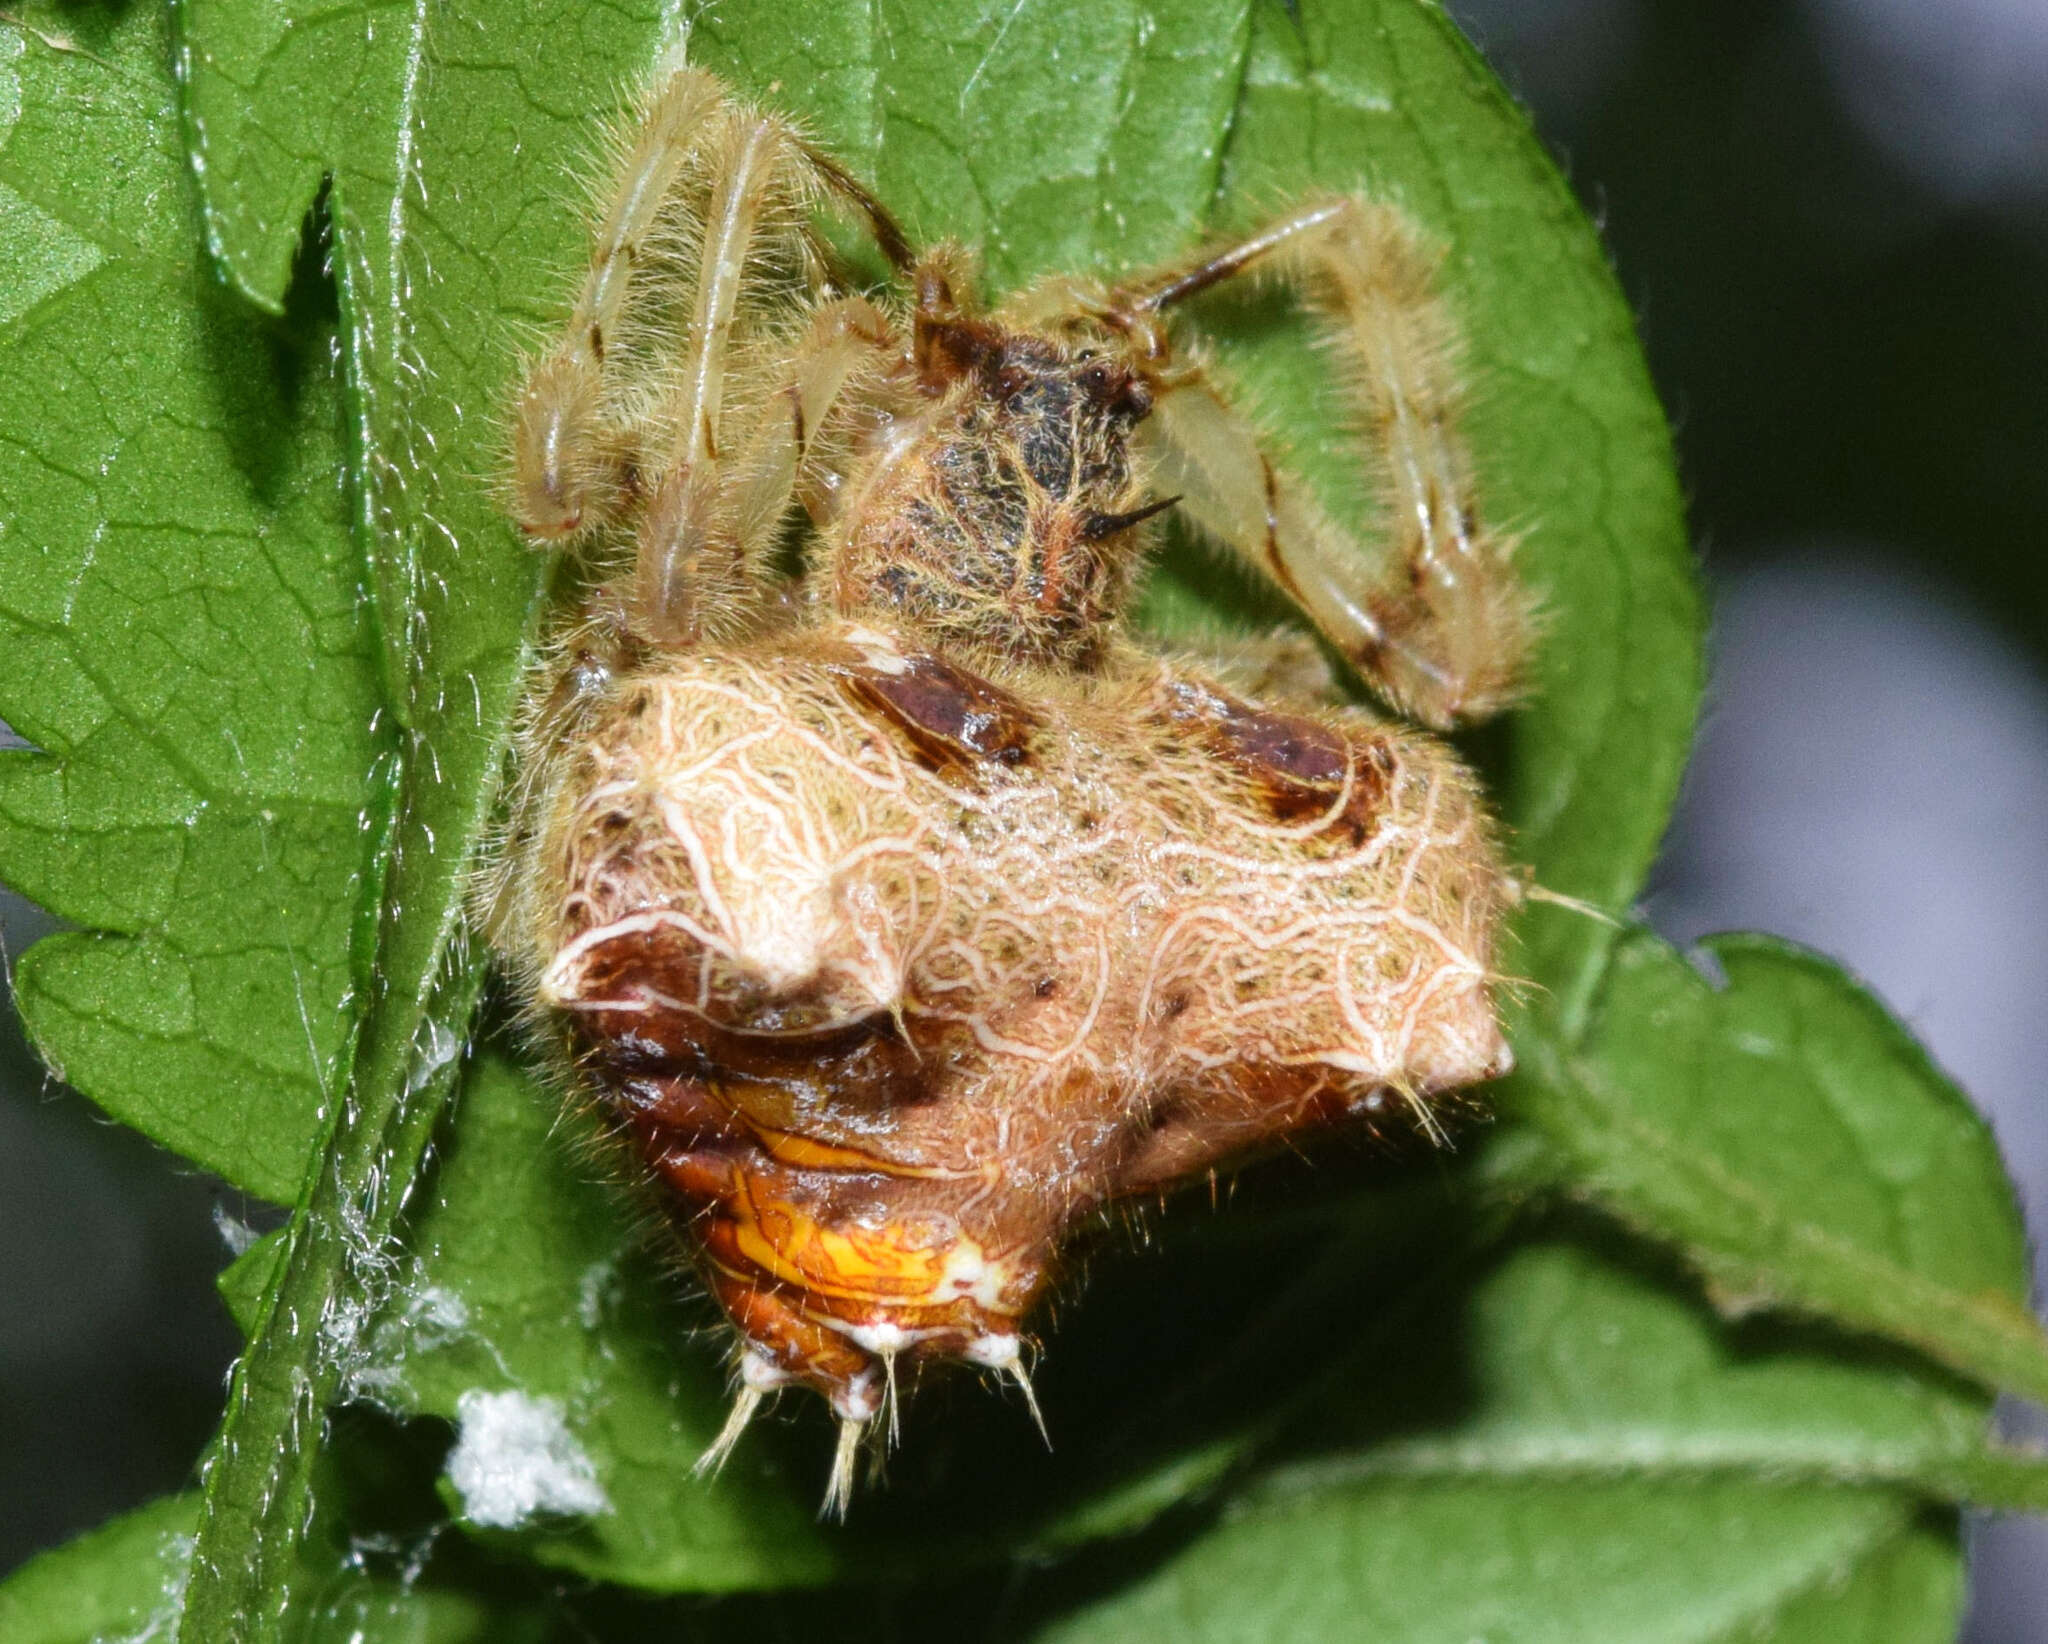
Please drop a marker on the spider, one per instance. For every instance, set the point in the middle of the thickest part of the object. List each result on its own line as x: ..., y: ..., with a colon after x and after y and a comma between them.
x: 895, y: 901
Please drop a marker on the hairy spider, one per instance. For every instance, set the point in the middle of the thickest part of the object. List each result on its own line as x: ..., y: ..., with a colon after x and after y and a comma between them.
x: 906, y: 910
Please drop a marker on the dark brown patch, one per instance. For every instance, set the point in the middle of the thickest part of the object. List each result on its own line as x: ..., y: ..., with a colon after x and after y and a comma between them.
x: 947, y: 348
x: 1297, y: 753
x: 801, y: 434
x: 671, y: 1113
x: 955, y: 722
x: 889, y: 239
x: 1294, y: 768
x: 862, y: 1065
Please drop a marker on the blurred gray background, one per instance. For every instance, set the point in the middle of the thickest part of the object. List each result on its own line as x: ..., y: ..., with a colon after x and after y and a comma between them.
x: 1833, y: 217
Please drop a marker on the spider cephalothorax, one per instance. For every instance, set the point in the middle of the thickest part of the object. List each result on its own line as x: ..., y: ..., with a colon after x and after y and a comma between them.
x: 1001, y: 517
x: 904, y: 913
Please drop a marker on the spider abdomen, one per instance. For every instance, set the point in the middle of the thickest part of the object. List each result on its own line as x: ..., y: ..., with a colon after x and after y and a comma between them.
x: 895, y: 976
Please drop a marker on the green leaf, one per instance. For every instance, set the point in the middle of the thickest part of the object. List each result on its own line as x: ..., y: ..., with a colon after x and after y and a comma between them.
x: 178, y: 599
x: 1799, y: 1148
x: 610, y: 1354
x: 123, y: 1580
x: 276, y: 878
x: 1553, y: 1443
x: 197, y: 668
x: 1049, y: 138
x: 1567, y: 1450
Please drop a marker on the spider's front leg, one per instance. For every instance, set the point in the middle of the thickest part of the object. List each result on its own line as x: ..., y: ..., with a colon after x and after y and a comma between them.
x: 571, y: 449
x: 1434, y: 616
x: 686, y: 395
x: 704, y: 543
x: 758, y: 189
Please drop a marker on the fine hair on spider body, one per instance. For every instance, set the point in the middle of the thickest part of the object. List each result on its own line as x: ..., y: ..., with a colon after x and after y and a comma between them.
x: 906, y: 911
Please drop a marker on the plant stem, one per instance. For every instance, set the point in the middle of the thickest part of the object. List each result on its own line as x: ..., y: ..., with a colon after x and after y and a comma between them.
x: 258, y: 1488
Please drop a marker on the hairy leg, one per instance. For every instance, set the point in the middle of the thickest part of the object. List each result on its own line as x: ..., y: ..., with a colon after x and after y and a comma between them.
x: 686, y: 394
x: 757, y: 197
x: 571, y: 456
x: 1283, y: 665
x: 730, y: 469
x: 793, y: 445
x: 1432, y: 616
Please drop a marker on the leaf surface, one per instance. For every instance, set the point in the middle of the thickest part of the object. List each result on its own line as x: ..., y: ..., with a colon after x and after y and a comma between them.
x: 123, y: 1579
x: 188, y: 651
x: 321, y: 762
x: 122, y: 1584
x: 1568, y: 1451
x: 1792, y: 1139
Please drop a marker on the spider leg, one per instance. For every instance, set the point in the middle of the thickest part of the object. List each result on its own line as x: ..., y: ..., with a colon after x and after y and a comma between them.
x: 727, y: 478
x: 1282, y: 665
x: 702, y: 267
x: 755, y: 198
x: 795, y: 439
x: 1435, y: 619
x: 571, y: 463
x: 705, y: 540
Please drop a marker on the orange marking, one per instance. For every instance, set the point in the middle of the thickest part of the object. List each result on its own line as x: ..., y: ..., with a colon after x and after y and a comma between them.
x: 807, y: 1153
x: 787, y: 1244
